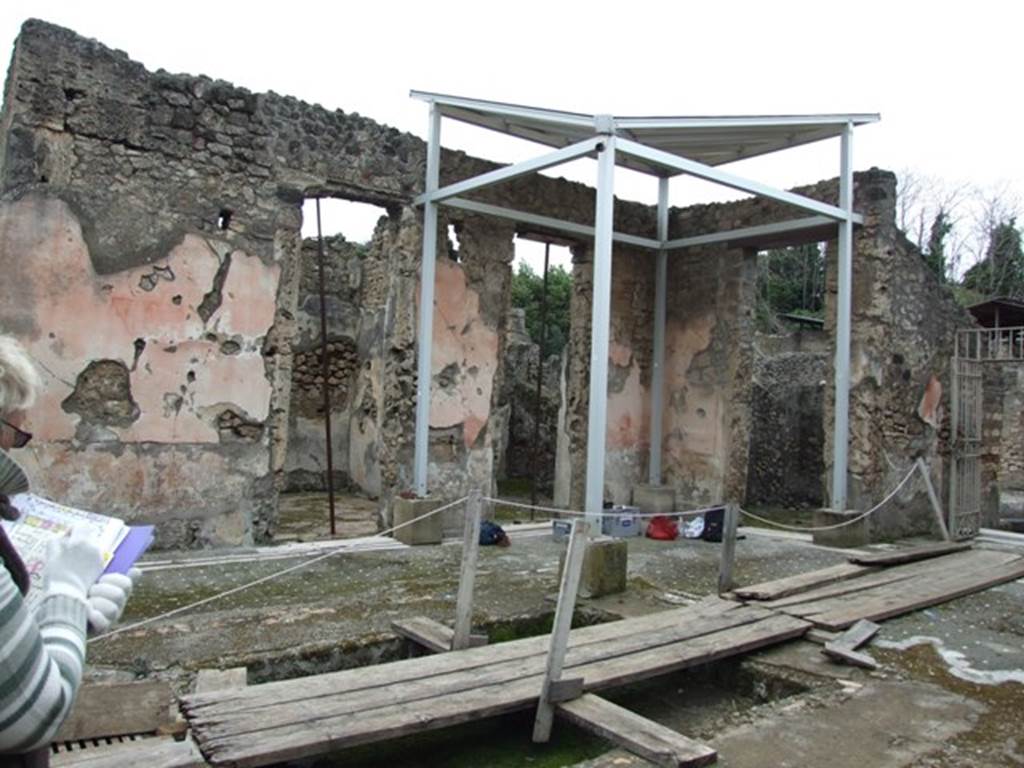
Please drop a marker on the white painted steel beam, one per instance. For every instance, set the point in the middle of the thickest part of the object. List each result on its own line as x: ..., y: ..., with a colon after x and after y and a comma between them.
x: 701, y: 171
x: 485, y: 107
x: 742, y: 121
x: 597, y: 421
x: 558, y: 157
x: 425, y: 335
x: 658, y: 364
x: 545, y: 221
x: 763, y: 230
x: 844, y: 273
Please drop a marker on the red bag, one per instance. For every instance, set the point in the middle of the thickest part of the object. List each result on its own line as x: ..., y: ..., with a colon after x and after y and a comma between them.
x: 663, y: 528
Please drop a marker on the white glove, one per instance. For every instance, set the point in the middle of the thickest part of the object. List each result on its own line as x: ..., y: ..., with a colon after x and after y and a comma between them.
x: 107, y: 598
x: 73, y: 563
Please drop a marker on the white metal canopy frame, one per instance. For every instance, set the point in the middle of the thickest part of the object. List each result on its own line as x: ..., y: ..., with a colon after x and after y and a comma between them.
x: 662, y: 147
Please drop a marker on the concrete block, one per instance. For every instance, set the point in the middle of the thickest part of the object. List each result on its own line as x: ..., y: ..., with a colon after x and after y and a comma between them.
x: 426, y: 531
x: 604, y: 567
x: 654, y: 499
x: 849, y: 536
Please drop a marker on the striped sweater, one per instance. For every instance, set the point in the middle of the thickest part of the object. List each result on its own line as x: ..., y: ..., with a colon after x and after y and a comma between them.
x: 41, y: 662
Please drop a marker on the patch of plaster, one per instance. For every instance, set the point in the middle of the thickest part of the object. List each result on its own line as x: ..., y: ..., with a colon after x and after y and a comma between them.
x: 463, y: 340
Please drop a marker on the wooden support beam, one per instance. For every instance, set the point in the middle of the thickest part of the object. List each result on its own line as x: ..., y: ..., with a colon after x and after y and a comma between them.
x: 560, y: 630
x: 725, y: 567
x: 431, y: 635
x: 644, y: 738
x: 467, y: 575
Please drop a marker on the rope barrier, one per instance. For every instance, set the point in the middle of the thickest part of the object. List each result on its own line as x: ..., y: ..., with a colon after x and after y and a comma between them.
x: 506, y: 502
x: 613, y: 513
x: 264, y: 579
x: 851, y: 521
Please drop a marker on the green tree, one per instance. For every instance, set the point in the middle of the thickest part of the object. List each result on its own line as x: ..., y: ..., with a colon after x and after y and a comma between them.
x: 1001, y: 271
x: 527, y: 290
x: 791, y: 280
x: 935, y: 253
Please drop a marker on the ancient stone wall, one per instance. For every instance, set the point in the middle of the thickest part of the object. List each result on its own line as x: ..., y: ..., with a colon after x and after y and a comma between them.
x: 903, y: 323
x: 1002, y: 459
x: 168, y: 207
x: 524, y: 443
x: 787, y: 412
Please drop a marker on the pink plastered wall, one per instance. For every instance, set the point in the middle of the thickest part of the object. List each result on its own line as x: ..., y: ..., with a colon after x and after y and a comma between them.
x: 70, y: 316
x: 463, y: 340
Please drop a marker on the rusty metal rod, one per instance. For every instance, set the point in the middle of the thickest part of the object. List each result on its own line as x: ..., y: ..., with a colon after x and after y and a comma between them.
x: 540, y: 379
x: 325, y: 366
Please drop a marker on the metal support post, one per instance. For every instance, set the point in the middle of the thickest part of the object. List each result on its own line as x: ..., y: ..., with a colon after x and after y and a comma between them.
x: 538, y: 406
x: 325, y: 367
x: 725, y: 567
x: 933, y: 498
x: 844, y: 273
x: 467, y: 577
x: 560, y: 629
x: 426, y: 325
x: 658, y: 366
x: 599, y: 329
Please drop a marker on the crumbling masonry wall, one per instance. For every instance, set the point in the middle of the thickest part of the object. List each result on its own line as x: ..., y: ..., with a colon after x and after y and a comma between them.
x: 150, y: 225
x: 903, y: 323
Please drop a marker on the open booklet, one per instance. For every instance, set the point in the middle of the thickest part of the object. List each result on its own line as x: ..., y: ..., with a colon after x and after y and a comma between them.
x: 42, y: 521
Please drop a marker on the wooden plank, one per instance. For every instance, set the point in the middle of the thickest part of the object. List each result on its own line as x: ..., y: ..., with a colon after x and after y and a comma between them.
x: 151, y: 753
x: 636, y: 734
x: 967, y: 561
x: 879, y: 604
x: 802, y: 582
x: 709, y: 615
x: 467, y: 575
x: 314, y: 736
x: 431, y: 634
x: 728, y: 559
x: 117, y: 709
x: 820, y: 636
x: 232, y: 719
x: 901, y: 556
x: 567, y: 591
x: 858, y: 634
x: 846, y: 655
x: 221, y: 679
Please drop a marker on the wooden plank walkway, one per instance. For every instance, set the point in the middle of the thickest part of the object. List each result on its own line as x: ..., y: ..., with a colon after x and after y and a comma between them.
x: 311, y: 716
x: 879, y: 594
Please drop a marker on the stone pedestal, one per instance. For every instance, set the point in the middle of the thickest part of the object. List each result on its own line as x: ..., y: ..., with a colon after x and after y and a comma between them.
x: 849, y: 536
x: 604, y: 567
x: 426, y: 531
x: 654, y: 499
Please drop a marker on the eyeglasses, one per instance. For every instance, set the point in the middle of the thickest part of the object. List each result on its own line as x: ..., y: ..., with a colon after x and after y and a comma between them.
x: 21, y: 437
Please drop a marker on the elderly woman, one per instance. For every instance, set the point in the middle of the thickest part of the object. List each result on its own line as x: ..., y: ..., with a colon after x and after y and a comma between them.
x: 42, y: 655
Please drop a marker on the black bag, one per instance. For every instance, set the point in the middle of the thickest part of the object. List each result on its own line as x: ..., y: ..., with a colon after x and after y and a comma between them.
x: 714, y: 523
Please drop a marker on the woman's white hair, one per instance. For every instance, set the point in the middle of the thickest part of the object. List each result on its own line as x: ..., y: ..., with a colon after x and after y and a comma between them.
x: 20, y: 381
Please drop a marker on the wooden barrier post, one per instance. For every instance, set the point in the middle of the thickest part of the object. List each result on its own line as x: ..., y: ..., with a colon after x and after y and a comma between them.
x: 560, y: 629
x: 933, y: 498
x: 467, y: 577
x: 729, y: 525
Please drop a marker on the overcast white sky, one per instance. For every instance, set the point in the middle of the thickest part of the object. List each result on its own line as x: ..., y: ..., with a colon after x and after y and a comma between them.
x: 944, y: 76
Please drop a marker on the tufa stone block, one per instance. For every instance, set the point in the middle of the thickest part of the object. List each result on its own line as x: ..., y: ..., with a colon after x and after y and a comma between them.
x: 604, y: 567
x: 426, y: 531
x: 848, y: 537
